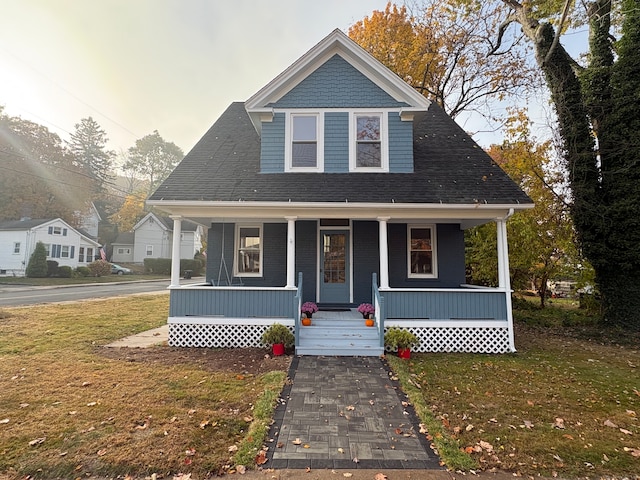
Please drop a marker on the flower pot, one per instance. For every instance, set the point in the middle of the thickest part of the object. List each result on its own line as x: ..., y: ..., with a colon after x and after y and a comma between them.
x: 306, y: 321
x: 369, y: 322
x: 278, y: 349
x: 308, y: 314
x: 365, y: 315
x: 404, y: 352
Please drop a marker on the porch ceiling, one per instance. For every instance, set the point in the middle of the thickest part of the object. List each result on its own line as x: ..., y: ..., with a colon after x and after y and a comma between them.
x: 204, y: 212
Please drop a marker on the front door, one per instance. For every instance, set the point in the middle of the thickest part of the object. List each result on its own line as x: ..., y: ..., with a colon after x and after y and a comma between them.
x: 334, y: 266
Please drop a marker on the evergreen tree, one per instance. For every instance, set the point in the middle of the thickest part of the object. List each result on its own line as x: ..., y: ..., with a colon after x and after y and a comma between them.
x: 37, y: 267
x: 88, y: 145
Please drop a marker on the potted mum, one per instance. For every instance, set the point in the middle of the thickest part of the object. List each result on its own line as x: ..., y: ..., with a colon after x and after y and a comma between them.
x: 309, y: 308
x: 366, y: 309
x: 279, y: 337
x: 402, y: 340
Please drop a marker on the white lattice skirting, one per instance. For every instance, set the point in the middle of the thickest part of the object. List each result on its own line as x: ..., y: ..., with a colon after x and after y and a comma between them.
x: 462, y: 339
x: 220, y: 333
x: 472, y: 337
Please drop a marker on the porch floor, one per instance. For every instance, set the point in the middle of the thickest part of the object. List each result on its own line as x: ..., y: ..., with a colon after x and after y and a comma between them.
x: 340, y: 333
x: 346, y: 413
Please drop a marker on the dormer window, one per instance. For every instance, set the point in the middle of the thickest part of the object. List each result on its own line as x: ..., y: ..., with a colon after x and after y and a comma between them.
x: 369, y: 145
x: 304, y: 142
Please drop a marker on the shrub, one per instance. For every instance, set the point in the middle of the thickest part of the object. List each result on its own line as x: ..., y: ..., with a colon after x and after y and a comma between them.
x: 37, y: 266
x: 100, y: 268
x: 278, y: 333
x: 52, y: 268
x: 65, y: 271
x: 83, y: 272
x: 162, y: 266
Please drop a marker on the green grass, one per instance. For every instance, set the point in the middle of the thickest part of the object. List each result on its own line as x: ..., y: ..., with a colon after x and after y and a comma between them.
x: 55, y: 281
x: 106, y: 416
x: 506, y: 411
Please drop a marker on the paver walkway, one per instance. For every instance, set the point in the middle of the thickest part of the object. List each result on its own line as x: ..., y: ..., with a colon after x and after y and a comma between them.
x: 339, y: 409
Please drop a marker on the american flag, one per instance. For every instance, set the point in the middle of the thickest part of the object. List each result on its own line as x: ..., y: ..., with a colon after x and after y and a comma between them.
x: 103, y: 254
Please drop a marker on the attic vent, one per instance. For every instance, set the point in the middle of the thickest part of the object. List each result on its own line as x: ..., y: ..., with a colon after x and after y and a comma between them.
x: 334, y: 222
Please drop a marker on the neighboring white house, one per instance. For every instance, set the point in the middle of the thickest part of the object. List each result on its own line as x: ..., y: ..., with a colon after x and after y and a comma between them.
x: 89, y: 220
x: 123, y: 248
x: 152, y: 237
x: 65, y: 244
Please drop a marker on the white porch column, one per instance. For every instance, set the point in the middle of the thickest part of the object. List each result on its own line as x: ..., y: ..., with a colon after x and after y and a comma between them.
x: 504, y: 279
x: 175, y: 250
x: 291, y: 252
x: 384, y: 252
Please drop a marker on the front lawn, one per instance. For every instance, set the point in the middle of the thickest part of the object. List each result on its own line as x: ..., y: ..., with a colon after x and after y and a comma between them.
x: 72, y: 408
x: 566, y: 404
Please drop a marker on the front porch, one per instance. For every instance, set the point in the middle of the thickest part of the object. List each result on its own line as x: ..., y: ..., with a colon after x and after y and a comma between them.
x: 465, y: 319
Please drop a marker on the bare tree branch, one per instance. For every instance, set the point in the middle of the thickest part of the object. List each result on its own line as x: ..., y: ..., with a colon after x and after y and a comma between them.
x: 556, y: 38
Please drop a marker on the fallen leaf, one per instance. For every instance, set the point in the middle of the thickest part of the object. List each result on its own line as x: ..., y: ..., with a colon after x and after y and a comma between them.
x: 355, y: 460
x: 102, y: 452
x: 308, y: 470
x: 485, y: 446
x: 261, y: 458
x: 4, y: 420
x: 24, y: 405
x: 233, y: 448
x: 559, y: 423
x: 86, y: 384
x: 350, y: 407
x: 380, y: 476
x: 306, y: 446
x: 609, y: 423
x: 398, y: 431
x: 241, y: 469
x: 280, y: 445
x: 631, y: 413
x: 203, y: 424
x: 469, y: 428
x: 37, y: 441
x: 297, y: 441
x: 635, y: 452
x: 626, y: 432
x: 371, y: 402
x: 567, y: 436
x: 248, y: 419
x: 528, y: 424
x: 190, y: 452
x: 347, y: 474
x: 92, y: 404
x: 341, y: 450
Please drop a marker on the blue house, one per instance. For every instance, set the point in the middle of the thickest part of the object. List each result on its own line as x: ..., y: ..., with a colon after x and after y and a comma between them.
x: 338, y: 183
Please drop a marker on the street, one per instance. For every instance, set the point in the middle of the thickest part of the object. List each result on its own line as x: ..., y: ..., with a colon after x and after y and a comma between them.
x: 18, y: 295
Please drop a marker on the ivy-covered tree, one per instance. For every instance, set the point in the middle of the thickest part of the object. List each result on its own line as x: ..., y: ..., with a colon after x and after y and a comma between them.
x: 598, y: 121
x: 37, y: 266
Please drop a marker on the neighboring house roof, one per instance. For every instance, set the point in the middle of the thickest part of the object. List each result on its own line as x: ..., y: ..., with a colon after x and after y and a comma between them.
x: 29, y: 224
x: 449, y: 168
x: 125, y: 238
x: 167, y: 223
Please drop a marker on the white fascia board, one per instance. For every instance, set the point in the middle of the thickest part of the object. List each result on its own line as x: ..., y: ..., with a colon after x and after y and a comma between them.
x: 470, y: 213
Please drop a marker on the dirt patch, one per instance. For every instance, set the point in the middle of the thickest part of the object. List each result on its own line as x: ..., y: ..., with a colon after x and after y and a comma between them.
x: 254, y: 361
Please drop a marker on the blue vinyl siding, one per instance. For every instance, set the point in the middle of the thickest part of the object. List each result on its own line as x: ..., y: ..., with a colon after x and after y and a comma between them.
x: 272, y: 145
x: 366, y: 251
x: 450, y: 257
x: 400, y: 145
x: 306, y: 257
x: 336, y: 142
x: 446, y: 305
x: 221, y: 256
x: 336, y: 84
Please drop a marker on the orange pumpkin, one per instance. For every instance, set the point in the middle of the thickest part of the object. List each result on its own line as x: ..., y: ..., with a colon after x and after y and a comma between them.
x: 369, y: 322
x: 306, y: 321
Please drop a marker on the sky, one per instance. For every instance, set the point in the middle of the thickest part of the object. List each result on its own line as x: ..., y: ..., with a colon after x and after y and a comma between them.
x: 136, y: 66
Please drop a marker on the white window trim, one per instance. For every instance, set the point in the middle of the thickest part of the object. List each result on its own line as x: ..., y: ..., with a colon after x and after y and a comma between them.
x: 146, y: 251
x: 434, y: 251
x: 236, y: 243
x: 384, y: 140
x: 288, y: 140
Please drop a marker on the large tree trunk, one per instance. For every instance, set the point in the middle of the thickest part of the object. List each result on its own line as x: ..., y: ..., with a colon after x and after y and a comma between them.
x: 603, y: 169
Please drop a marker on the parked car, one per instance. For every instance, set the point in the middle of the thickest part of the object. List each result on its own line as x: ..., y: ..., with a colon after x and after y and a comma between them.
x: 118, y: 270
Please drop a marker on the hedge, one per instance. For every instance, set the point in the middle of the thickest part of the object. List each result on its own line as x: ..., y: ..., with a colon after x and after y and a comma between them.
x: 162, y: 266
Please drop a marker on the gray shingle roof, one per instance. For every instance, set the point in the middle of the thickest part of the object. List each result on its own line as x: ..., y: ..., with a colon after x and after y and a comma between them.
x: 450, y: 168
x: 23, y: 224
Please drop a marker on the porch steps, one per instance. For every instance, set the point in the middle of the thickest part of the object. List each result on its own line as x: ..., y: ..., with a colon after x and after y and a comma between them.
x: 346, y: 337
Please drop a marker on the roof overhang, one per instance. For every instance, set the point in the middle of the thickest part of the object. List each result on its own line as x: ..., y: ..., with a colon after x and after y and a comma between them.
x: 468, y: 215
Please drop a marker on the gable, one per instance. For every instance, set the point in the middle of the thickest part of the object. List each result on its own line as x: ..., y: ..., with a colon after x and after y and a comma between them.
x: 337, y: 84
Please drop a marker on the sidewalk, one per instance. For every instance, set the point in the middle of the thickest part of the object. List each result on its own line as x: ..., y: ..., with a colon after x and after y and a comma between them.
x: 146, y: 339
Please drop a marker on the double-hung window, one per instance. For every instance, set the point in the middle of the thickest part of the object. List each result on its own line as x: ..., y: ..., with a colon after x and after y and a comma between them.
x: 16, y: 247
x: 369, y: 145
x: 421, y: 251
x: 304, y: 142
x: 248, y: 251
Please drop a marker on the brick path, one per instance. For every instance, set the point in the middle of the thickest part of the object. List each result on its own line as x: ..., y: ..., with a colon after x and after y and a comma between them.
x: 338, y: 409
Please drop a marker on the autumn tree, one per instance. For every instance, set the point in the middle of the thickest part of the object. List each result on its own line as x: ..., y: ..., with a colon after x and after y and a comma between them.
x: 541, y: 240
x: 88, y: 145
x: 153, y: 159
x: 130, y: 213
x: 440, y: 49
x: 38, y: 177
x: 598, y: 119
